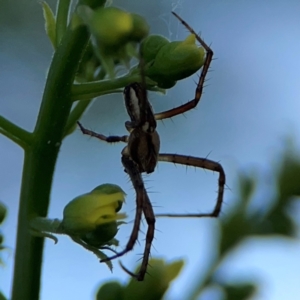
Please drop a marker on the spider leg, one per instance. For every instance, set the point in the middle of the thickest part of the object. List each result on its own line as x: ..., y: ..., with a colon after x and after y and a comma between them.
x: 198, y: 93
x: 199, y: 163
x: 150, y: 219
x: 143, y: 204
x: 108, y: 139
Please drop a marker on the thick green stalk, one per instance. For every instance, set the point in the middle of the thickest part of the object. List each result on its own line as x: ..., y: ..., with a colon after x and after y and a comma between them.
x: 40, y: 160
x: 63, y: 7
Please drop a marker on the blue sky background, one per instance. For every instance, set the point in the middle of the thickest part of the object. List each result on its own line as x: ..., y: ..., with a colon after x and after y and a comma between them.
x: 250, y: 104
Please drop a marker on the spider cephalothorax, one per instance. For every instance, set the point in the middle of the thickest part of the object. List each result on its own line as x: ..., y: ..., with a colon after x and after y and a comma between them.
x: 141, y: 154
x: 138, y: 108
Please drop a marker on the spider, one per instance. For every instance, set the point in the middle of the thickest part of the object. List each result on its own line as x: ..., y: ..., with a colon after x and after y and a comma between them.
x: 141, y: 155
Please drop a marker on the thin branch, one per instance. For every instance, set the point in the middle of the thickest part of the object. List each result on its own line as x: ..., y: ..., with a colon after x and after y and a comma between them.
x: 17, y: 134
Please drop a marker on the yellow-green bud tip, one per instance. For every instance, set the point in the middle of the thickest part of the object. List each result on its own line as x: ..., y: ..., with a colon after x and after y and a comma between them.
x: 86, y: 212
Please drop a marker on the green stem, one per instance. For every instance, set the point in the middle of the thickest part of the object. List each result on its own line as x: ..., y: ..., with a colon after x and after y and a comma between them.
x: 95, y: 95
x: 15, y: 133
x: 62, y: 13
x: 75, y: 115
x: 78, y: 111
x: 97, y: 88
x: 40, y: 160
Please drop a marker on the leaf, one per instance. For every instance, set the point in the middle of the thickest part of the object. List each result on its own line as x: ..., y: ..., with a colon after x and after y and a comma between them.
x: 173, y: 270
x: 113, y: 242
x: 247, y: 186
x: 111, y: 291
x: 50, y: 23
x: 278, y: 219
x: 2, y: 297
x: 2, y: 212
x: 289, y: 175
x: 239, y: 291
x: 233, y: 231
x: 102, y: 255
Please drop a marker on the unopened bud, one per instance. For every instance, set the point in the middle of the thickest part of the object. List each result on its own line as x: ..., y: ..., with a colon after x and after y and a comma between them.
x: 175, y: 61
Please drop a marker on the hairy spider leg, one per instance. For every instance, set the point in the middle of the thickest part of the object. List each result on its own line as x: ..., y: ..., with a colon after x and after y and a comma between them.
x: 198, y: 93
x: 143, y: 204
x: 108, y: 139
x: 199, y: 163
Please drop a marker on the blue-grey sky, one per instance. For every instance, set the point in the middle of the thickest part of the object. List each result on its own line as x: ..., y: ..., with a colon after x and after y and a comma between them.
x: 250, y: 103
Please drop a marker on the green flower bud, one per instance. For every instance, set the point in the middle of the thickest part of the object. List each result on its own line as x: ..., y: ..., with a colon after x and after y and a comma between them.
x: 101, y: 235
x: 156, y: 282
x: 151, y: 45
x: 92, y: 3
x: 110, y: 26
x: 175, y: 61
x: 110, y: 291
x: 140, y: 28
x: 87, y: 212
x: 115, y: 34
x: 111, y: 189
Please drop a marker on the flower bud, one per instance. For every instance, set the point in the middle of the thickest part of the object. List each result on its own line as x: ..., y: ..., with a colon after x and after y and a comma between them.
x: 111, y: 290
x: 110, y: 26
x: 159, y: 278
x: 140, y: 28
x: 101, y: 235
x: 86, y: 213
x: 175, y: 61
x: 151, y: 45
x: 114, y: 33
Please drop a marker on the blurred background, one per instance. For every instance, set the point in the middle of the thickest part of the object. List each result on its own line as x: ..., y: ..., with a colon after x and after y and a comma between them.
x: 250, y: 104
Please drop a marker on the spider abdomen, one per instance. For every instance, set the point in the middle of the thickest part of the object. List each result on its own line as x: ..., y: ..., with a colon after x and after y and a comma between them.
x: 143, y: 148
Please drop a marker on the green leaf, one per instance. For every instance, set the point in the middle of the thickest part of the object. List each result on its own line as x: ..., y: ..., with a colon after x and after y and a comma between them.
x: 110, y: 291
x: 239, y: 291
x: 173, y: 270
x: 280, y: 223
x: 233, y: 231
x: 2, y: 212
x: 50, y: 23
x: 102, y: 256
x: 278, y: 219
x: 114, y: 241
x: 289, y: 176
x: 247, y: 185
x: 2, y: 297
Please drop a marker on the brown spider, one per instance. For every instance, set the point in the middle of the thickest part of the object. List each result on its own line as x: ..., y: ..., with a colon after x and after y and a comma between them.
x: 141, y: 154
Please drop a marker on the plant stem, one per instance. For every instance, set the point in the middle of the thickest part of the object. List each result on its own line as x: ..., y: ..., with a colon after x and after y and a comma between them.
x: 96, y: 88
x: 40, y: 160
x: 15, y: 133
x: 63, y: 7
